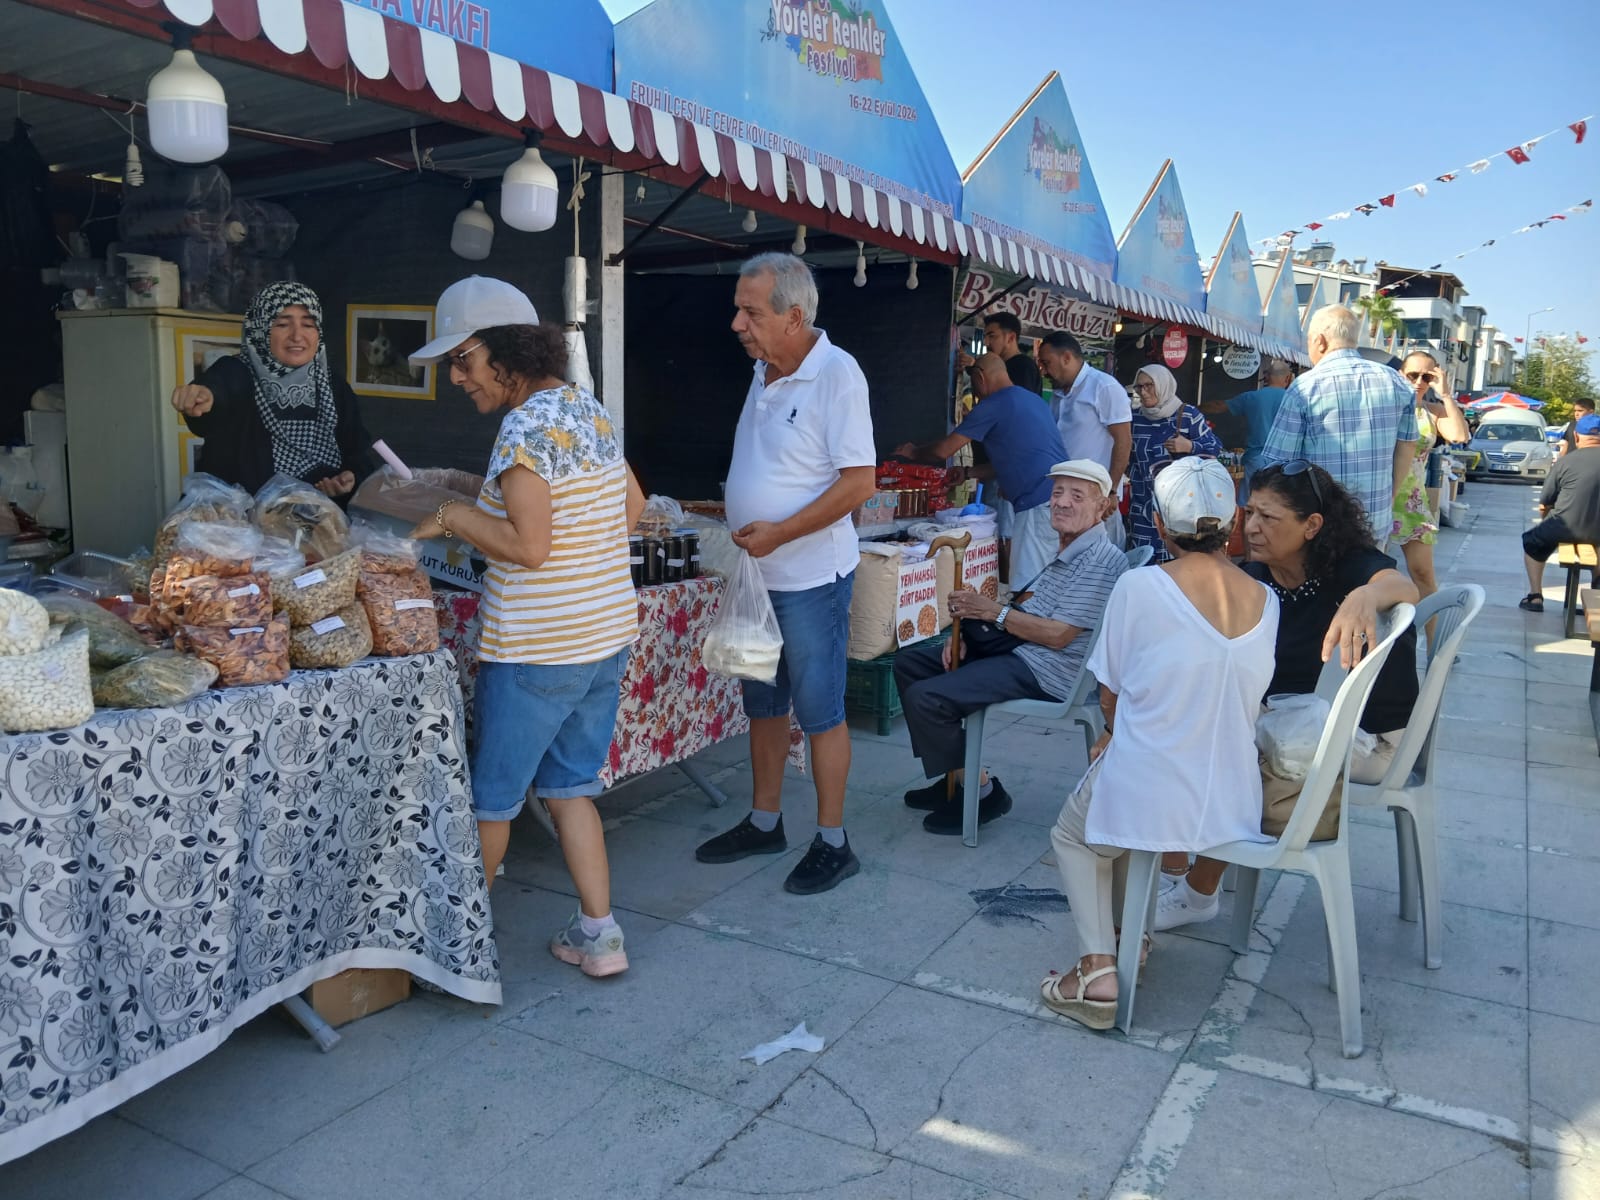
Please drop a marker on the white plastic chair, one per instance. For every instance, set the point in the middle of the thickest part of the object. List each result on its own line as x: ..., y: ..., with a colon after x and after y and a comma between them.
x: 1082, y: 708
x: 1327, y: 862
x: 1408, y: 787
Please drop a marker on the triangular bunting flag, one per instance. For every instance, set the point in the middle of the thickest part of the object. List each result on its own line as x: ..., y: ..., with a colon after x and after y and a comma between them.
x: 1366, y: 210
x: 1340, y: 216
x: 1579, y: 128
x: 1490, y: 242
x: 1314, y: 225
x: 1420, y: 189
x: 1387, y: 201
x: 1517, y: 155
x: 1479, y: 167
x: 1581, y: 339
x: 1581, y: 208
x: 1446, y: 178
x: 1518, y: 341
x: 1555, y: 217
x: 1435, y: 266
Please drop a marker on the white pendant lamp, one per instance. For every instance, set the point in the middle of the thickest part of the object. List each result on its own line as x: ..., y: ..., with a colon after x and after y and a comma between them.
x: 187, y: 110
x: 861, y: 266
x: 472, y: 233
x: 749, y: 222
x: 528, y: 191
x: 911, y: 277
x: 799, y: 246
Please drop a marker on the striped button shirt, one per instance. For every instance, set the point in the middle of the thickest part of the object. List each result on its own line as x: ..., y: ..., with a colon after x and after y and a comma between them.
x: 579, y: 604
x: 1345, y: 415
x: 1073, y: 589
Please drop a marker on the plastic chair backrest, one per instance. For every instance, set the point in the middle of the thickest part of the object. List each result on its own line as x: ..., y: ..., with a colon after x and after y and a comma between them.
x: 1338, y: 735
x: 1140, y: 556
x: 1137, y: 557
x: 1453, y: 609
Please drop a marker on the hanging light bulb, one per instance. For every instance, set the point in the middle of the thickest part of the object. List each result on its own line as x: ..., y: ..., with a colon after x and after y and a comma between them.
x: 472, y: 233
x: 188, y: 111
x: 1217, y: 357
x: 528, y: 190
x: 638, y: 193
x: 749, y: 222
x: 911, y: 277
x: 799, y: 246
x: 1117, y: 326
x: 133, y: 168
x: 861, y: 265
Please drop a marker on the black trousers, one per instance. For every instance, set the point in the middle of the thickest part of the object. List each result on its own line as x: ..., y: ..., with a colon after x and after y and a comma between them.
x: 935, y: 700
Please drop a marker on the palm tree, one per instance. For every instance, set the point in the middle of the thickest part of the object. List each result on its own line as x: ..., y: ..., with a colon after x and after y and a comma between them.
x: 1382, y: 313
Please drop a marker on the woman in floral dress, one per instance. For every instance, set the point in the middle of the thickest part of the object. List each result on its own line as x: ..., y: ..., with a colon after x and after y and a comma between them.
x: 1164, y: 428
x: 1415, y: 523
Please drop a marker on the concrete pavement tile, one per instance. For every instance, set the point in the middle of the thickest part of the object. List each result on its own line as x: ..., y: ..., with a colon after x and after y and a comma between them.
x: 1566, y: 749
x: 1563, y: 1065
x: 642, y: 1137
x: 1037, y: 796
x: 1471, y: 873
x: 1564, y: 969
x: 1485, y: 953
x: 1483, y: 773
x: 653, y: 785
x: 1490, y: 663
x: 293, y: 1088
x: 242, y: 1187
x: 1468, y: 816
x: 1564, y: 1177
x: 1048, y: 749
x: 691, y: 808
x: 1564, y: 785
x: 110, y: 1159
x: 1565, y: 827
x: 1565, y: 890
x: 1559, y: 662
x: 863, y: 923
x: 1564, y: 709
x: 693, y: 1002
x: 1472, y: 700
x: 1270, y: 1141
x: 441, y: 1131
x: 893, y: 835
x: 1498, y: 739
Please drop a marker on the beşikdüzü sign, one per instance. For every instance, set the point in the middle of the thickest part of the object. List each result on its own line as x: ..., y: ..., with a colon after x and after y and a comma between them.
x: 1037, y: 308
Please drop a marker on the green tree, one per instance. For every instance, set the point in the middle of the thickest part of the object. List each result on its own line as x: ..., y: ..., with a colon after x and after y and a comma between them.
x: 1556, y: 372
x: 1382, y: 313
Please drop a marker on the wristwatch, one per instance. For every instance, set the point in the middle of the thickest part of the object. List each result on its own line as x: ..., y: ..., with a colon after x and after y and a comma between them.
x: 1000, y: 621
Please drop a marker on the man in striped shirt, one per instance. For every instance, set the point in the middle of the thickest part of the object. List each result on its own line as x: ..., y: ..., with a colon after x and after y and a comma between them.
x: 1355, y: 419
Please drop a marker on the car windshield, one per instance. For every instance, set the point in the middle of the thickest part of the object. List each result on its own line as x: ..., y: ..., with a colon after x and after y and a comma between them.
x: 1507, y: 432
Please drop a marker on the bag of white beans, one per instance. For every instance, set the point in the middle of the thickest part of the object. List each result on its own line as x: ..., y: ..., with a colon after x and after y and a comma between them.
x: 23, y: 622
x: 49, y: 689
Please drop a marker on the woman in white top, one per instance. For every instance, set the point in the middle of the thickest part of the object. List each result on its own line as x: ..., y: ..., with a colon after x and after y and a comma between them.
x: 1184, y: 657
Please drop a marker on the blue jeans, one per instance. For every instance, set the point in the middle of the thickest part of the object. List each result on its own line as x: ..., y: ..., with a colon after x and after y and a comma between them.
x: 548, y: 726
x: 816, y: 632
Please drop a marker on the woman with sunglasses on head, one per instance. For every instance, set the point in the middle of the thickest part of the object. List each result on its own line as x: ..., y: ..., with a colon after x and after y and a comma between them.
x: 1311, y: 543
x: 1164, y: 428
x: 1415, y: 522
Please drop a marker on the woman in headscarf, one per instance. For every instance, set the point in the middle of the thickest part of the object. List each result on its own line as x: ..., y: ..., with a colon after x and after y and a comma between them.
x: 1164, y: 428
x: 275, y: 408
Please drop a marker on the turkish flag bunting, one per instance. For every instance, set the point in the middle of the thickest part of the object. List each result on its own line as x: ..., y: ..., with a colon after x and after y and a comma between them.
x: 1518, y: 341
x: 1387, y: 201
x: 1314, y: 225
x: 1582, y: 339
x: 1579, y: 128
x: 1517, y: 155
x: 1366, y: 210
x: 1445, y: 178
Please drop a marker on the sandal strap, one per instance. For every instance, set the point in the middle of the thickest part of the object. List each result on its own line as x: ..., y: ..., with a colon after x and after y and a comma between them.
x: 1085, y: 980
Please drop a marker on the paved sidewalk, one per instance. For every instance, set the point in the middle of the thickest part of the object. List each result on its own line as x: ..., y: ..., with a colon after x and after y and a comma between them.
x: 943, y: 1077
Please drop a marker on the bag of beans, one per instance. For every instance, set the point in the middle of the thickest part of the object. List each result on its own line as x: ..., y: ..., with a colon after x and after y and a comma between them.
x: 244, y: 657
x: 50, y: 688
x: 23, y: 623
x: 337, y: 640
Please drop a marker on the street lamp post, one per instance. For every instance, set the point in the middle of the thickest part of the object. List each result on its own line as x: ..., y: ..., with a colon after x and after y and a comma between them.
x: 1527, y: 340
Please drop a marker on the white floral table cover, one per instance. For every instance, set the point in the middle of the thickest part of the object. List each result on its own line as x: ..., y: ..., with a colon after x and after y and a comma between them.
x: 168, y: 874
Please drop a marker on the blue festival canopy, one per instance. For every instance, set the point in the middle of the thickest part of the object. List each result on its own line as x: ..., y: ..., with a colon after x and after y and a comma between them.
x: 1156, y: 252
x: 1280, y: 316
x: 1232, y: 296
x: 824, y: 82
x: 1033, y: 184
x: 1323, y: 293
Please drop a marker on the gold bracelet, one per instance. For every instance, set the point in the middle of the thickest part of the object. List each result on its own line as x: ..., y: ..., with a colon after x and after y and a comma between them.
x: 439, y: 517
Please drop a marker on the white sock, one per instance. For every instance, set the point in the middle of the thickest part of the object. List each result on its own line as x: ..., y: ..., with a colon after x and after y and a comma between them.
x: 832, y: 834
x: 986, y: 788
x: 763, y: 820
x: 593, y: 927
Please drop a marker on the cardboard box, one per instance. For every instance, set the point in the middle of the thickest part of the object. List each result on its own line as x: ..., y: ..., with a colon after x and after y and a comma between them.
x: 351, y: 995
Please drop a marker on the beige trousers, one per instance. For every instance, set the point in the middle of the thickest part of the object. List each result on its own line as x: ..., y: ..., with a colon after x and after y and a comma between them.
x: 1094, y: 878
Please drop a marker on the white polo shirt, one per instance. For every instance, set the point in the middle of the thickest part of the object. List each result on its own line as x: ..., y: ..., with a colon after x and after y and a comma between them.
x: 793, y: 439
x: 1094, y: 403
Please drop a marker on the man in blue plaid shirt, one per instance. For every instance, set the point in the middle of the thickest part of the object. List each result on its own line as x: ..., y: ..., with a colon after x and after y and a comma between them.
x: 1353, y: 418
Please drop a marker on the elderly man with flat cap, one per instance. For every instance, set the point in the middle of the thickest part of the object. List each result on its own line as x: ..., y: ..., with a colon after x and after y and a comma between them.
x: 1030, y: 648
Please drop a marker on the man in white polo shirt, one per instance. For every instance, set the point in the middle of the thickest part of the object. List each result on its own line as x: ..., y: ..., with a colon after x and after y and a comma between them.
x: 803, y: 460
x: 1093, y: 413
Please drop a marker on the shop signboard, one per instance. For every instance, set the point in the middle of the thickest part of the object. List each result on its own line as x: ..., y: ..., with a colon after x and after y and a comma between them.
x: 1033, y: 185
x: 917, y: 602
x: 1156, y: 253
x: 1038, y: 308
x: 1174, y: 348
x: 980, y: 566
x: 1240, y: 362
x: 1232, y: 293
x: 1280, y: 318
x: 569, y: 37
x: 825, y: 82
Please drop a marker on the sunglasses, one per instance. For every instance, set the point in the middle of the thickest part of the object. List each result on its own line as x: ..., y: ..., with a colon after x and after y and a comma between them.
x: 459, y: 358
x: 1418, y: 376
x: 1301, y: 466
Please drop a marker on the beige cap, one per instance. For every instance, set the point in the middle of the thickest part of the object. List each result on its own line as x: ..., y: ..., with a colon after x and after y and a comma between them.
x: 1085, y: 468
x: 1188, y: 490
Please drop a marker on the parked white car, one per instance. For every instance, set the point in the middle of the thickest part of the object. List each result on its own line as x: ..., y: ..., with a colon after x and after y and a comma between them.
x: 1511, y: 441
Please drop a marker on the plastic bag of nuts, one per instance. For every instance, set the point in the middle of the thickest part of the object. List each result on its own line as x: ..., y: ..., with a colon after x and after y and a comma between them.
x: 158, y: 680
x: 233, y: 600
x: 399, y: 606
x: 292, y: 509
x: 48, y: 689
x: 23, y: 623
x: 335, y: 641
x: 315, y: 592
x: 244, y: 657
x: 205, y: 498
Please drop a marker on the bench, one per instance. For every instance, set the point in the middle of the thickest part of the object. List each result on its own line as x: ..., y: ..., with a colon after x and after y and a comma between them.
x: 1591, y: 613
x: 1574, y: 557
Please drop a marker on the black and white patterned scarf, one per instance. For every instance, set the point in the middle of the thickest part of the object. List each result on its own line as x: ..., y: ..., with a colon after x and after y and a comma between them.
x: 296, y: 403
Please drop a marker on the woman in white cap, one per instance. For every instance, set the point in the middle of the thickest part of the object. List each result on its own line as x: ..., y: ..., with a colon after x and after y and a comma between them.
x: 1184, y: 657
x: 559, y: 610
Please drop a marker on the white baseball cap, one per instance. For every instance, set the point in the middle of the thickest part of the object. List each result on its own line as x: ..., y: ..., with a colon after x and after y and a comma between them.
x: 1085, y: 468
x: 1190, y: 489
x: 470, y: 304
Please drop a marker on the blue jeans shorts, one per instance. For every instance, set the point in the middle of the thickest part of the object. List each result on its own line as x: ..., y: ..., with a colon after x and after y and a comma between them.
x: 816, y: 632
x: 548, y: 726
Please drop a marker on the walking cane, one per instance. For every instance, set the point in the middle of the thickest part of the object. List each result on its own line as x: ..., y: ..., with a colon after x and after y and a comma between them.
x: 957, y: 543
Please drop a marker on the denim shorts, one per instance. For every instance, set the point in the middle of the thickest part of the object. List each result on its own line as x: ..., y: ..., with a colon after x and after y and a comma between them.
x: 548, y: 726
x: 816, y: 632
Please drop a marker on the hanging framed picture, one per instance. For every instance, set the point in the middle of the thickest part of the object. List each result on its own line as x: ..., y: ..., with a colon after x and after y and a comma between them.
x: 380, y: 339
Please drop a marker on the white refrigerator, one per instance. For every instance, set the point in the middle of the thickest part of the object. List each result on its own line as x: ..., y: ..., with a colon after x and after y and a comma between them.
x: 128, y: 450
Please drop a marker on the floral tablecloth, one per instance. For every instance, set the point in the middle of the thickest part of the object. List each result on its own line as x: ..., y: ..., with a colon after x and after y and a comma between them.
x: 168, y: 874
x: 672, y: 707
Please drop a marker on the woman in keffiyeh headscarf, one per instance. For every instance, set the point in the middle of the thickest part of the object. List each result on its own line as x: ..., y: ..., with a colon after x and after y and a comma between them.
x: 275, y: 408
x: 1164, y: 428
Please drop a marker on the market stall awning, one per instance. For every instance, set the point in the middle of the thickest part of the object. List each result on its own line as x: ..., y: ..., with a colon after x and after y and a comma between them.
x: 1156, y: 262
x: 1033, y: 186
x: 1280, y: 315
x: 1323, y: 293
x: 1233, y: 300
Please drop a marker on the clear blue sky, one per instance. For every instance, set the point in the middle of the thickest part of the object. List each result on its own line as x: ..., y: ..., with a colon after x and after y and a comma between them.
x: 1290, y: 114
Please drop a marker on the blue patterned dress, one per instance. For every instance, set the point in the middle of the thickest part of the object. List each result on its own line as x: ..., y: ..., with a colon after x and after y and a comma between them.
x: 1149, y: 452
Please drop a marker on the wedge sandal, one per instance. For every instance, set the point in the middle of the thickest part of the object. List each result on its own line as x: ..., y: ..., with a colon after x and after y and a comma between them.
x: 1094, y: 1014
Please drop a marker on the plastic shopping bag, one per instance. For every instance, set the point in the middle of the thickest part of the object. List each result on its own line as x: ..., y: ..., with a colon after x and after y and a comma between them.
x: 1289, y: 731
x: 744, y: 641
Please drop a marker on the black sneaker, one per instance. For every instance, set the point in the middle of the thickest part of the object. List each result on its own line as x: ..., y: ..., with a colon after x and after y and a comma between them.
x: 946, y: 818
x: 822, y: 868
x: 743, y: 840
x: 926, y: 799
